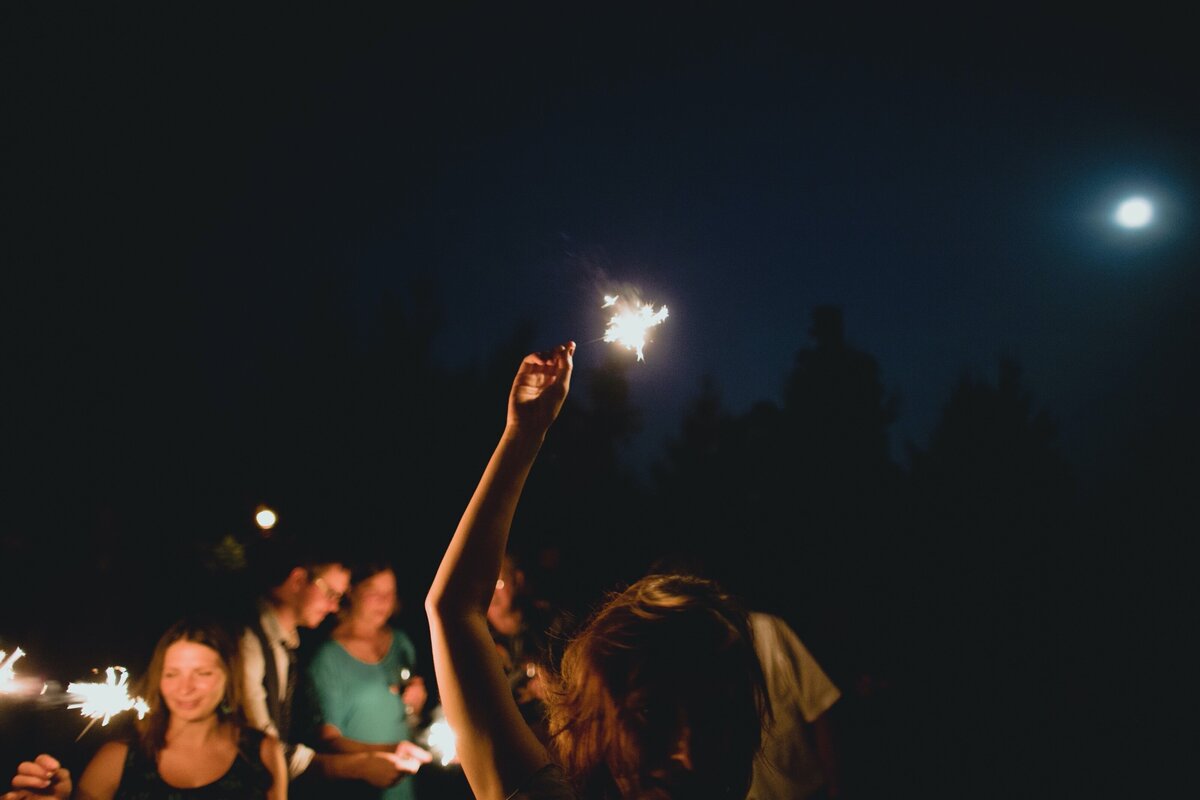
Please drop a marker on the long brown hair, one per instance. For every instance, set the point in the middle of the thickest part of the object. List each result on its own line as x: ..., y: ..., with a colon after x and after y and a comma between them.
x: 152, y: 731
x: 670, y: 657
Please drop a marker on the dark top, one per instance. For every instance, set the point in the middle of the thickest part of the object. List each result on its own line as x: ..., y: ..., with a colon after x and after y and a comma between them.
x: 247, y: 779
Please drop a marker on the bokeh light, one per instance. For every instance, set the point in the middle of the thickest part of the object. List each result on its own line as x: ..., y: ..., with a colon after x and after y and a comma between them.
x: 265, y: 518
x: 1134, y: 212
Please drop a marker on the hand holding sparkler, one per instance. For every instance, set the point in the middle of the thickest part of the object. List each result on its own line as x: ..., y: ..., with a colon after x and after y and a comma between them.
x: 539, y: 389
x: 42, y: 777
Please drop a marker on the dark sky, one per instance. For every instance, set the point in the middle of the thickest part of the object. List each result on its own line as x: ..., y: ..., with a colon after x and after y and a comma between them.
x: 179, y: 182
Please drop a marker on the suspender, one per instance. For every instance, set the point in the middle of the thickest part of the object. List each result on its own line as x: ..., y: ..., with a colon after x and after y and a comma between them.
x: 271, y: 681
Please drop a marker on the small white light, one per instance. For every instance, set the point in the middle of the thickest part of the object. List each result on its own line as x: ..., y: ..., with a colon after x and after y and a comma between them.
x: 1135, y: 212
x: 265, y: 518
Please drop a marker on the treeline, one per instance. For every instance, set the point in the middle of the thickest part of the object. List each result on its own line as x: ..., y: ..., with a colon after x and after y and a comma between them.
x: 959, y: 598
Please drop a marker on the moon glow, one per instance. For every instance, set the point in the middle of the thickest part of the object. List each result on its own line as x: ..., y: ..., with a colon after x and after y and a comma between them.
x: 1134, y: 212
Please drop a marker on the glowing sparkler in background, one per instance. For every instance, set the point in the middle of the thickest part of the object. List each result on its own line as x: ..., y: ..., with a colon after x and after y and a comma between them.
x: 105, y: 700
x: 629, y: 325
x: 8, y: 677
x: 439, y: 739
x: 442, y: 742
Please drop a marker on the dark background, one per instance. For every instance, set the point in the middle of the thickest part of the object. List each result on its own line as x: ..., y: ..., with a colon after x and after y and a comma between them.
x: 293, y: 257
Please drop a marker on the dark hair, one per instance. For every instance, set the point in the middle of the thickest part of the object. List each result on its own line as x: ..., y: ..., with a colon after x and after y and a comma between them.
x: 668, y: 653
x: 363, y: 571
x: 273, y: 560
x: 152, y: 730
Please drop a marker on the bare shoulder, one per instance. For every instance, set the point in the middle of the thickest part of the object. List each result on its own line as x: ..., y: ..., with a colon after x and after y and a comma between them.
x: 102, y: 775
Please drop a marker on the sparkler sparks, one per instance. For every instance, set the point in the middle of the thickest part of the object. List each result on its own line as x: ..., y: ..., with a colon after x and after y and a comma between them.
x: 629, y: 324
x: 439, y: 738
x: 8, y: 677
x: 442, y: 742
x: 102, y: 701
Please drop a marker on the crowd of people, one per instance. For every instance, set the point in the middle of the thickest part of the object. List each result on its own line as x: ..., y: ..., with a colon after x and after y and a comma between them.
x: 672, y: 689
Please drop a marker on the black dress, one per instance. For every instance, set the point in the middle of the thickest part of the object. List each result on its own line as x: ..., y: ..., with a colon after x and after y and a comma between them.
x: 246, y: 779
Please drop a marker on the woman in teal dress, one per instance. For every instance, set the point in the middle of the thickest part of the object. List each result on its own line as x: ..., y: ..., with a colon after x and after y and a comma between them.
x: 365, y: 681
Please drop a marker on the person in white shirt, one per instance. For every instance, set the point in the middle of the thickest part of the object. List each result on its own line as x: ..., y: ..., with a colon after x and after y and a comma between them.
x: 302, y: 594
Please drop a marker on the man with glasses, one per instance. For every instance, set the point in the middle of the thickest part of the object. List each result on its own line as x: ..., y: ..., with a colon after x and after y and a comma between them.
x: 302, y: 590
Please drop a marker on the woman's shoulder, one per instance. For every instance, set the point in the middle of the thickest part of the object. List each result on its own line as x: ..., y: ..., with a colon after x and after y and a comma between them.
x: 113, y: 754
x: 104, y: 773
x: 326, y: 652
x: 402, y: 643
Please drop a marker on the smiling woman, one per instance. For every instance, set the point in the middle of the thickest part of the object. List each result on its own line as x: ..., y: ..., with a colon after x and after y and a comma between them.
x: 192, y: 743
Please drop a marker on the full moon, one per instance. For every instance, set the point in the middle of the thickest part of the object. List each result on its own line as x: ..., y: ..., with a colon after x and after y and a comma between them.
x: 1135, y: 212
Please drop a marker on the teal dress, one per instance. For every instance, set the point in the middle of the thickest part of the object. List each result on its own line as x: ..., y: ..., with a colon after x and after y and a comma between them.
x: 363, y: 702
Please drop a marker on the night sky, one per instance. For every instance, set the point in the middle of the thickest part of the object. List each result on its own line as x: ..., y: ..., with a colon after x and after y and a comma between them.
x: 190, y: 194
x: 947, y: 181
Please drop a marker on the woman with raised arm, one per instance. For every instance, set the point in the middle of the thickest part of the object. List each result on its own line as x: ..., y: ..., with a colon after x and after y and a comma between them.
x: 192, y: 744
x: 659, y: 696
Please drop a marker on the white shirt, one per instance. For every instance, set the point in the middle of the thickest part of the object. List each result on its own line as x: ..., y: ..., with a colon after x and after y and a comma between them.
x: 800, y: 691
x: 254, y: 667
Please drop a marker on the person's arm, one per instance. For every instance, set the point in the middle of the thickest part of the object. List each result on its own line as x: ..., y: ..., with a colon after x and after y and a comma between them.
x: 271, y: 752
x: 497, y: 750
x: 254, y: 694
x: 381, y: 770
x: 45, y: 776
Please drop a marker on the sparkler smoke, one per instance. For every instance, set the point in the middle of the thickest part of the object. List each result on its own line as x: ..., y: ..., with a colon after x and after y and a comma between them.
x: 102, y: 701
x: 629, y: 324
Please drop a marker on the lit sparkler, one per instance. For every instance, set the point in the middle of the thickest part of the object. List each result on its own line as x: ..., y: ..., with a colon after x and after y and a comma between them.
x: 442, y: 742
x: 629, y: 324
x: 103, y: 701
x: 8, y: 677
x: 439, y: 739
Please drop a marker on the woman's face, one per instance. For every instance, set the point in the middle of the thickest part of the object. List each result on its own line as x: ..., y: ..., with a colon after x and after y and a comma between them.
x: 193, y: 680
x: 374, y: 599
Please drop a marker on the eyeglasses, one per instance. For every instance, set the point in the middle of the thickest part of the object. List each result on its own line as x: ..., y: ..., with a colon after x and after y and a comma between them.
x: 331, y: 594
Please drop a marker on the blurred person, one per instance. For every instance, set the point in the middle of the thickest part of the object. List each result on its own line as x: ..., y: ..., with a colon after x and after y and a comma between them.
x: 520, y: 626
x: 193, y: 743
x: 364, y: 677
x: 660, y: 695
x: 302, y: 590
x: 799, y: 757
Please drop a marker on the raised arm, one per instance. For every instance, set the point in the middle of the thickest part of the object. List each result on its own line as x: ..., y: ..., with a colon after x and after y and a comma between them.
x: 497, y: 750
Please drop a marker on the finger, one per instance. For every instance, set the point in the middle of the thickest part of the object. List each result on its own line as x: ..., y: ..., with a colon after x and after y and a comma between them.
x: 34, y: 769
x: 48, y: 761
x: 410, y: 765
x: 29, y: 782
x: 419, y: 753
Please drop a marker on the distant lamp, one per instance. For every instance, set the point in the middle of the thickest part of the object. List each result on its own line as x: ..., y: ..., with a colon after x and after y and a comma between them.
x: 1134, y: 212
x: 265, y: 518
